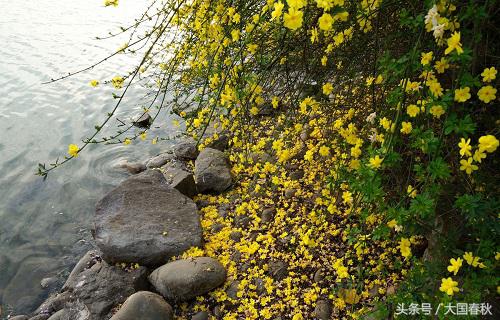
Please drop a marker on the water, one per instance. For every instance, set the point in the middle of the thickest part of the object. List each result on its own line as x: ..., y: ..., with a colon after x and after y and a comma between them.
x: 44, y: 226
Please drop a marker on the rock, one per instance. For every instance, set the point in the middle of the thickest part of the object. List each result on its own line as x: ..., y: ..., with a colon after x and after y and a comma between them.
x: 87, y: 261
x: 144, y: 305
x: 22, y: 293
x: 180, y: 178
x: 297, y: 175
x: 202, y: 315
x: 54, y: 303
x: 323, y: 310
x: 202, y: 203
x: 183, y: 280
x: 59, y: 315
x: 217, y: 312
x: 260, y: 287
x: 145, y: 221
x: 289, y: 193
x: 318, y: 276
x: 216, y: 227
x: 267, y: 215
x: 47, y: 282
x: 22, y: 317
x: 232, y: 290
x: 40, y: 317
x: 278, y: 269
x: 242, y: 221
x: 235, y: 236
x: 159, y: 160
x: 135, y: 167
x: 186, y: 150
x: 212, y: 171
x: 100, y: 287
x: 235, y: 256
x: 143, y: 121
x: 220, y: 143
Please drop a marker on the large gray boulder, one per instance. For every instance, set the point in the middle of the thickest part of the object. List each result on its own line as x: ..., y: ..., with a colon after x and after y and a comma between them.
x: 183, y: 280
x: 159, y: 160
x: 212, y: 171
x: 146, y: 221
x: 186, y: 150
x: 144, y: 305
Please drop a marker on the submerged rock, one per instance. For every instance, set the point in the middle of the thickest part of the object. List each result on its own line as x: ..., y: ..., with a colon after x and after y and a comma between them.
x: 145, y: 221
x: 144, y: 305
x: 212, y: 171
x: 183, y: 280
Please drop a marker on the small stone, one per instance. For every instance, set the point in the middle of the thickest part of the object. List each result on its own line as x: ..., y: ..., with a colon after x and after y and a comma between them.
x: 278, y: 269
x: 318, y: 276
x: 202, y: 315
x: 159, y: 160
x: 236, y: 256
x: 374, y: 291
x: 235, y: 236
x: 260, y: 287
x: 143, y: 121
x: 216, y: 227
x: 267, y: 215
x: 217, y: 312
x: 242, y: 221
x: 202, y: 203
x: 323, y: 310
x: 391, y: 290
x: 135, y: 167
x: 297, y: 175
x: 232, y: 290
x: 212, y: 171
x: 289, y: 193
x: 183, y: 280
x: 220, y: 143
x: 144, y: 305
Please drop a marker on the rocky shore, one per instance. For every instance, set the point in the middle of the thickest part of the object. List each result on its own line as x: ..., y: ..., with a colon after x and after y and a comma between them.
x: 138, y: 228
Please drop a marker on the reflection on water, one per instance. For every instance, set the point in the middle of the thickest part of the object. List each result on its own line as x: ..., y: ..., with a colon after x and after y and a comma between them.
x: 44, y: 226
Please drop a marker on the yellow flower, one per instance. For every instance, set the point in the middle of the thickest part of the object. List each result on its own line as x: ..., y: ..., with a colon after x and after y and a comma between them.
x: 324, y: 151
x: 324, y: 60
x: 426, y: 58
x: 252, y: 48
x: 412, y: 192
x: 113, y: 3
x: 441, y: 65
x: 155, y: 140
x: 117, y: 82
x: 405, y: 247
x: 143, y: 136
x: 73, y: 150
x: 406, y: 127
x: 314, y: 35
x: 449, y: 286
x: 127, y: 141
x: 455, y: 265
x: 327, y: 88
x: 454, y: 44
x: 465, y: 147
x: 489, y: 74
x: 376, y: 162
x: 487, y: 94
x: 347, y: 197
x: 296, y: 4
x: 478, y: 155
x: 94, y: 83
x: 293, y: 19
x: 471, y: 260
x: 325, y: 22
x: 324, y: 4
x: 437, y: 111
x: 435, y: 88
x: 462, y: 94
x: 467, y: 166
x: 278, y: 9
x: 488, y: 143
x: 275, y: 102
x: 412, y: 110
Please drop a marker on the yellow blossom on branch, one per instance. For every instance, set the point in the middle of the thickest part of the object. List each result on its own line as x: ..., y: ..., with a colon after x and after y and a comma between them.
x: 455, y: 265
x: 487, y: 94
x: 448, y: 286
x: 454, y: 44
x: 489, y: 74
x: 293, y: 19
x: 462, y: 94
x: 73, y: 150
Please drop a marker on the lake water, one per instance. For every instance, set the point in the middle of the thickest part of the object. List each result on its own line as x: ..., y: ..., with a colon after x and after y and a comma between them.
x: 44, y: 225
